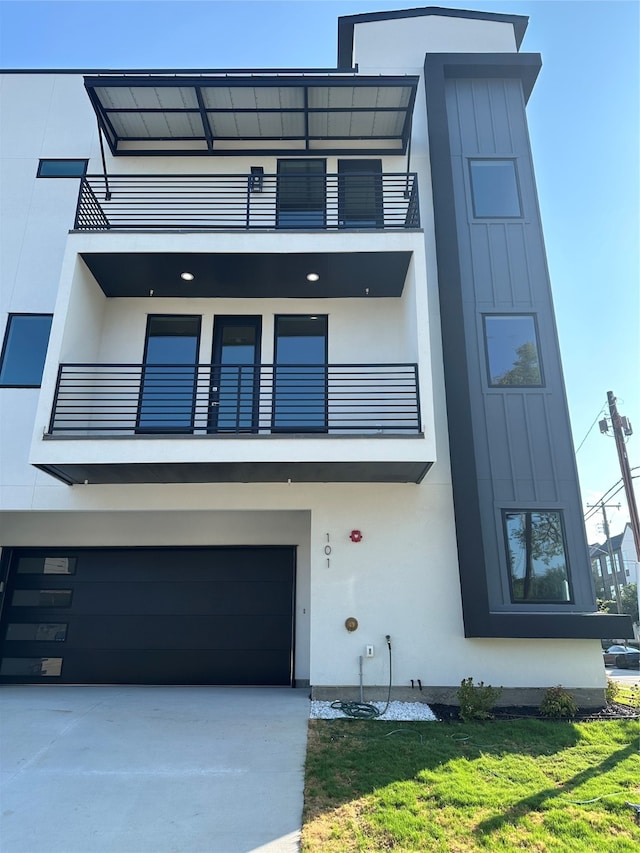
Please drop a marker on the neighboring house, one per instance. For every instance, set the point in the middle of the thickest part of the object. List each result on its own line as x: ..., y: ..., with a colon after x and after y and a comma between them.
x: 277, y: 356
x: 625, y: 561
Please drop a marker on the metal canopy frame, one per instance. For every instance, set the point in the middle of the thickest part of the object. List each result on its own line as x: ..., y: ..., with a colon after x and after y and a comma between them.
x: 352, y: 142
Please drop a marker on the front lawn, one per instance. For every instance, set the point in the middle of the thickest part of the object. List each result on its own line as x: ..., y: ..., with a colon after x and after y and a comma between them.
x: 458, y: 787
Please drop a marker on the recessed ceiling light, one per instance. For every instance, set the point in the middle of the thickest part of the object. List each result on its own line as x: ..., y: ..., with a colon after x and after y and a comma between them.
x: 187, y: 276
x: 313, y: 276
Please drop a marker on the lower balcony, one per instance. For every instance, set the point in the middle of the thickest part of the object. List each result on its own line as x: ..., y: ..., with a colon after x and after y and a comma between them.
x: 125, y: 423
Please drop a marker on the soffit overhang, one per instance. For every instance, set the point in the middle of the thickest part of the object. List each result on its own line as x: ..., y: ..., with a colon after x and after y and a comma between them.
x: 257, y: 114
x: 247, y: 275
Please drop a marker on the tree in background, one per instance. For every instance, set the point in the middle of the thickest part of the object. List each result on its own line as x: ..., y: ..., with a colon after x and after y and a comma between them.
x: 525, y: 370
x: 628, y: 602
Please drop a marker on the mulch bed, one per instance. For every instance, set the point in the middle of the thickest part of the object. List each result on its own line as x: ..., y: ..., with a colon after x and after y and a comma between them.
x: 611, y: 711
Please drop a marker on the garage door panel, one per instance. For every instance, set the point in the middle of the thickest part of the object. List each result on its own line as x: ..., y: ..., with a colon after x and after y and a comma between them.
x: 164, y: 632
x: 167, y: 616
x: 182, y: 598
x: 140, y: 666
x: 158, y: 564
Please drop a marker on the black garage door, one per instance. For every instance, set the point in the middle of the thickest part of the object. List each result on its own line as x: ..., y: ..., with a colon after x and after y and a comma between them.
x: 149, y: 616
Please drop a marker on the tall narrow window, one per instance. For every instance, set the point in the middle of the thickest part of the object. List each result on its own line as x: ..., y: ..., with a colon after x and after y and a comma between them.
x: 494, y: 189
x: 301, y: 195
x: 24, y: 350
x: 169, y: 374
x: 300, y: 380
x: 538, y: 570
x: 512, y: 350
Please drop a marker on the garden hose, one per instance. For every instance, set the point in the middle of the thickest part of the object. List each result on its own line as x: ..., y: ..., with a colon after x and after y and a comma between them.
x: 366, y: 710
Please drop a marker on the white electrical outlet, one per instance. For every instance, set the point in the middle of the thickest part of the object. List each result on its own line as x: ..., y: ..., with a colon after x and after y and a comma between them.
x: 369, y: 651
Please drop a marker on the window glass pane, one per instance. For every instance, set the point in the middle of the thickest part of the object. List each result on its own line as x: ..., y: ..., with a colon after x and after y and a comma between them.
x: 31, y: 666
x: 236, y: 379
x: 494, y: 188
x: 512, y: 350
x: 537, y: 561
x: 300, y: 391
x: 47, y: 566
x: 37, y: 632
x: 168, y: 393
x: 41, y: 598
x: 25, y: 348
x: 62, y: 168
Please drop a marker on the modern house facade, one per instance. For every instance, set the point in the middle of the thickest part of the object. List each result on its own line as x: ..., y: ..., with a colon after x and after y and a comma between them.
x: 278, y: 376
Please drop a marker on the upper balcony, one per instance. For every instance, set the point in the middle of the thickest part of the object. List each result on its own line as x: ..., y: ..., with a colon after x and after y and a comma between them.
x: 301, y: 197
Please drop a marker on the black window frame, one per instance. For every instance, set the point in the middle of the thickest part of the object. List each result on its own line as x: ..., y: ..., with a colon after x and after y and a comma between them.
x: 511, y: 314
x: 45, y: 160
x: 488, y: 217
x: 5, y: 349
x: 281, y: 195
x: 324, y: 428
x: 159, y: 430
x: 546, y: 602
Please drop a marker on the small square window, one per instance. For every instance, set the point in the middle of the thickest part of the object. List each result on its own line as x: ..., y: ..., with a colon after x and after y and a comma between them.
x: 24, y: 350
x: 62, y: 168
x: 494, y: 189
x: 538, y: 572
x: 512, y: 350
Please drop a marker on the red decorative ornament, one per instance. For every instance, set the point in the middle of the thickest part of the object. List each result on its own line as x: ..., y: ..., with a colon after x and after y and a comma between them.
x: 355, y: 536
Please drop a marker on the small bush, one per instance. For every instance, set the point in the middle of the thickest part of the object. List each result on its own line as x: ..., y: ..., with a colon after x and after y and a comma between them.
x: 558, y: 703
x: 611, y: 691
x: 477, y: 700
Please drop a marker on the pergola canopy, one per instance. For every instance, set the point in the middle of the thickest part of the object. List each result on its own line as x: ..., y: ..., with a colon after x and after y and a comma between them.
x: 253, y: 114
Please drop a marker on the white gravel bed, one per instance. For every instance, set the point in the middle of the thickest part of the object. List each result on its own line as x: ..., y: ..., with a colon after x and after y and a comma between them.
x: 404, y: 711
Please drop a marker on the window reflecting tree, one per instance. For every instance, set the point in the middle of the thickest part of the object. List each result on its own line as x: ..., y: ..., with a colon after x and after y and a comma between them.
x: 537, y: 557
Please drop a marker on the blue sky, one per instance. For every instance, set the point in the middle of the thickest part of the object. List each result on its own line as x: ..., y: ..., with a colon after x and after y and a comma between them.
x: 583, y: 118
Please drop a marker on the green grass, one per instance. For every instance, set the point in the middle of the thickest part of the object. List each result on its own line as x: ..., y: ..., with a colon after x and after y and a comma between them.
x: 629, y: 694
x: 458, y: 787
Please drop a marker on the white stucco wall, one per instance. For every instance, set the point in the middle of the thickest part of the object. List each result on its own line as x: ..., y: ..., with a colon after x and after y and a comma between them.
x: 397, y: 45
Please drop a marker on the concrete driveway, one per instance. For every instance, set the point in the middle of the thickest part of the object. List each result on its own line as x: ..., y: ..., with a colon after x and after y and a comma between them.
x: 158, y: 769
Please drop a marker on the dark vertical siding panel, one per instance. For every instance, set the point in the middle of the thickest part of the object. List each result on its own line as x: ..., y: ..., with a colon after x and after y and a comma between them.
x: 519, y: 431
x: 542, y: 447
x: 479, y: 264
x: 500, y: 113
x: 500, y: 264
x: 483, y: 114
x: 522, y: 438
x: 500, y: 462
x: 519, y: 268
x: 466, y: 117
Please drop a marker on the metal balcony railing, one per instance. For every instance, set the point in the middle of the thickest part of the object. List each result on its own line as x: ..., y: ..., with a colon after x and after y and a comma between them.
x: 356, y: 200
x: 217, y: 399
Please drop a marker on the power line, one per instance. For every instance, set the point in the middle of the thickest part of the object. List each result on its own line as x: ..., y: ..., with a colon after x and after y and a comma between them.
x: 591, y: 427
x: 610, y: 493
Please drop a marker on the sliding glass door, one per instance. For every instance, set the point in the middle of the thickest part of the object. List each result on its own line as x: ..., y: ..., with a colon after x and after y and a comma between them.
x: 235, y: 377
x: 300, y: 374
x: 169, y: 374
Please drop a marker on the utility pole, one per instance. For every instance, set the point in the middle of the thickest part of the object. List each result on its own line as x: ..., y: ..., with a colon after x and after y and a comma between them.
x: 614, y: 571
x: 614, y: 568
x: 621, y: 428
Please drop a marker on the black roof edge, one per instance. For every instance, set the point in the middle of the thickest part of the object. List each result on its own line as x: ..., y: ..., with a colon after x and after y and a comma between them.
x: 347, y: 23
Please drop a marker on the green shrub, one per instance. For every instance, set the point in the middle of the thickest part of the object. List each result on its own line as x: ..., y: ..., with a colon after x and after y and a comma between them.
x: 558, y: 703
x: 477, y: 700
x: 611, y: 691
